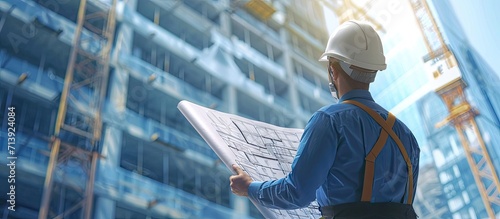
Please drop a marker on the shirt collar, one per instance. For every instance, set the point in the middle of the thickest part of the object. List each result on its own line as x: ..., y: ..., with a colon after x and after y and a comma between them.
x: 356, y: 94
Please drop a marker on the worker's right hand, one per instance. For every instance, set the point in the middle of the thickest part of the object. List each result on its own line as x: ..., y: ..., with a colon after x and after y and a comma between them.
x: 239, y: 183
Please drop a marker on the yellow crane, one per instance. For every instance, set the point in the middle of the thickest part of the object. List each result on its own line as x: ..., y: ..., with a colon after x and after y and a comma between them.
x: 89, y: 71
x: 450, y: 87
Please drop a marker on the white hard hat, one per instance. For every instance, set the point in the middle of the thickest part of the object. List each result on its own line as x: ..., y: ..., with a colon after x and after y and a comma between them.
x: 356, y: 44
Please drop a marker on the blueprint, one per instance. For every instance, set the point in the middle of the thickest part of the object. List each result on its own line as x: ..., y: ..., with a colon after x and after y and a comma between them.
x: 262, y: 150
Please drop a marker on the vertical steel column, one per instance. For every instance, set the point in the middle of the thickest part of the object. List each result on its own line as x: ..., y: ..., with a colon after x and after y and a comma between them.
x: 90, y: 186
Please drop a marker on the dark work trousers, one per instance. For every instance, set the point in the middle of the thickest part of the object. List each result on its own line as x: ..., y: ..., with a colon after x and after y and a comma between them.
x: 367, y: 210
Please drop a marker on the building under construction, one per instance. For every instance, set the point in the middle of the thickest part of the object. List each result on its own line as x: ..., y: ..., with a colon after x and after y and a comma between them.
x: 443, y: 90
x: 98, y: 134
x: 462, y: 126
x: 95, y: 85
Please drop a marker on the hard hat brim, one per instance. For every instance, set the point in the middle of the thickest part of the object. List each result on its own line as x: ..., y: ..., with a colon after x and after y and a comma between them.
x: 323, y: 58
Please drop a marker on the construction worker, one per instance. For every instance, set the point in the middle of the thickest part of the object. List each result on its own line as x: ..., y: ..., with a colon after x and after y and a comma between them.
x: 355, y: 158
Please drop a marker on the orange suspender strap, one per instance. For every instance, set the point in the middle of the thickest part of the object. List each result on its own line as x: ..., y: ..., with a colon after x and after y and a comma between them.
x: 370, y: 161
x: 370, y: 158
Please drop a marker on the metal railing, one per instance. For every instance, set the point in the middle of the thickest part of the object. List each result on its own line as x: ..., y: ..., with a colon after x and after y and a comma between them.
x: 29, y: 11
x: 167, y: 200
x: 310, y: 89
x: 171, y: 84
x: 145, y: 128
x: 119, y: 184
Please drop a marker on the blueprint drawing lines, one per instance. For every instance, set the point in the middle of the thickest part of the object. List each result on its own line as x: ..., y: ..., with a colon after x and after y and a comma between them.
x: 264, y: 151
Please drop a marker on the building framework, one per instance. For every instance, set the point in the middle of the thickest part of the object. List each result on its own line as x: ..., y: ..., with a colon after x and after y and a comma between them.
x: 100, y: 135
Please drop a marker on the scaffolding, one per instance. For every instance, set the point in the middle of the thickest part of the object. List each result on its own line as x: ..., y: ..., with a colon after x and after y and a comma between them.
x: 260, y: 8
x: 450, y: 87
x: 80, y: 106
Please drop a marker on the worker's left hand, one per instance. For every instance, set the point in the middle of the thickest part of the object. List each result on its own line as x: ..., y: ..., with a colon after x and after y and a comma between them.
x: 239, y: 183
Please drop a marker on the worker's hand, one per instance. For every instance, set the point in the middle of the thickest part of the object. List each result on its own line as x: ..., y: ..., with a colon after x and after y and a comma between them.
x: 239, y: 183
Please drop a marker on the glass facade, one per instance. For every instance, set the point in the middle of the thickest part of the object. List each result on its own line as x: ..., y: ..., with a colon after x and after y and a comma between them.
x: 446, y: 187
x: 456, y: 178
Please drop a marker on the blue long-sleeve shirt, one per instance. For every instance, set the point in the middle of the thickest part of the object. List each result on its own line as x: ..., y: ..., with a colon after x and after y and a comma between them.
x: 329, y: 164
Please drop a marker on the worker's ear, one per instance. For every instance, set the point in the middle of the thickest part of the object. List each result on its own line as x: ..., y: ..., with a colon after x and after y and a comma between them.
x: 334, y: 71
x: 330, y: 73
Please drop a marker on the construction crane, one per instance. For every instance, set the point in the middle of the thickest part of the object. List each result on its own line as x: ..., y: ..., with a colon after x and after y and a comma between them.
x: 347, y: 10
x: 87, y: 78
x: 450, y: 87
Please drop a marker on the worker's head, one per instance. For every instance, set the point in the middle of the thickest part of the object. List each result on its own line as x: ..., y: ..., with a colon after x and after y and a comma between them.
x: 353, y: 50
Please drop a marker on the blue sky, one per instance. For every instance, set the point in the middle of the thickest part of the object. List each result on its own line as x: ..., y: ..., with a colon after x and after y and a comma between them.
x: 480, y: 21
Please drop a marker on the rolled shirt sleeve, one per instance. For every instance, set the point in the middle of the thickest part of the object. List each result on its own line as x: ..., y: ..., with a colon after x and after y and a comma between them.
x: 311, y: 165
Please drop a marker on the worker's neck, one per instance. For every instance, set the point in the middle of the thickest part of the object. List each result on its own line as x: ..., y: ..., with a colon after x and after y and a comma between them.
x: 347, y: 84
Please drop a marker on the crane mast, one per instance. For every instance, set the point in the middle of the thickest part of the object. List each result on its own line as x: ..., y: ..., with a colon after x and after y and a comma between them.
x: 80, y: 106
